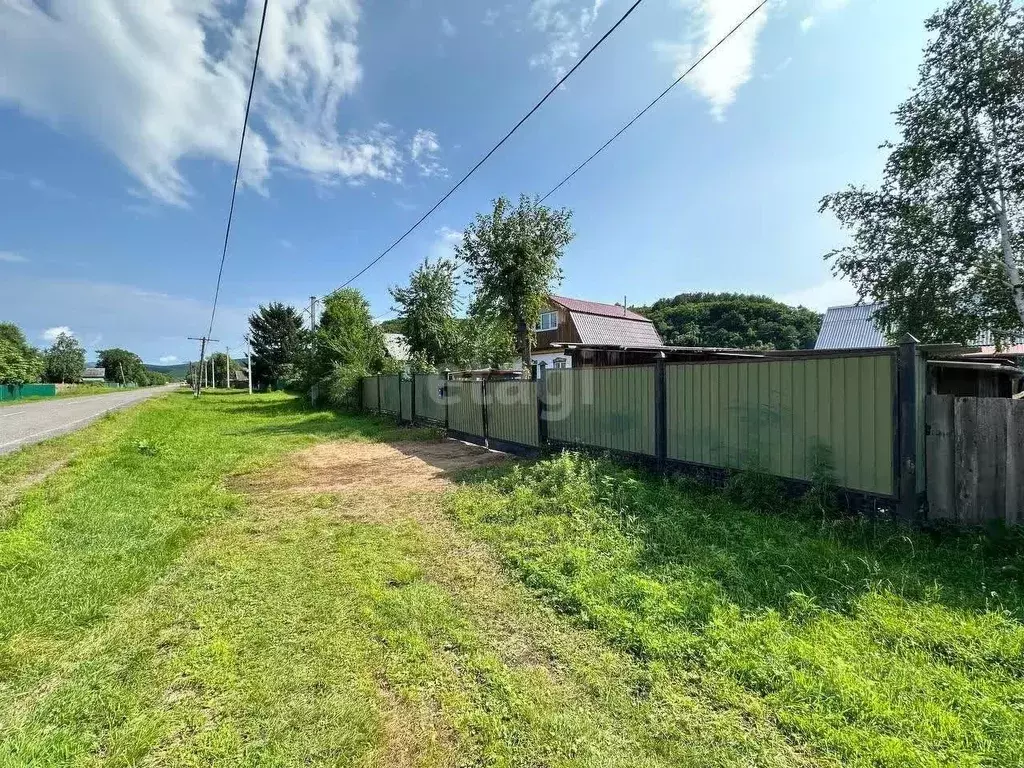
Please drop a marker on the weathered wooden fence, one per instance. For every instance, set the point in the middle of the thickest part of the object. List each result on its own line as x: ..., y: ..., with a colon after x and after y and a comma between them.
x: 975, y: 459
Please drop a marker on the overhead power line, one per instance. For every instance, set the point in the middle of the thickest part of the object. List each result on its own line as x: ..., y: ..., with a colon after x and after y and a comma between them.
x: 494, y: 149
x: 238, y: 168
x: 660, y: 96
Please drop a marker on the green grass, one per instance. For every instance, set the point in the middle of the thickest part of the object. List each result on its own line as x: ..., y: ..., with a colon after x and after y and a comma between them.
x: 151, y: 615
x: 871, y: 645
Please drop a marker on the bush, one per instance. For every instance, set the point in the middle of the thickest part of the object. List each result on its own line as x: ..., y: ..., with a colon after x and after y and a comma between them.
x: 343, y: 387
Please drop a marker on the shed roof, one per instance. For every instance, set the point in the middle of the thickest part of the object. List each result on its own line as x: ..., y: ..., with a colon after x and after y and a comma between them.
x: 620, y: 331
x: 850, y: 327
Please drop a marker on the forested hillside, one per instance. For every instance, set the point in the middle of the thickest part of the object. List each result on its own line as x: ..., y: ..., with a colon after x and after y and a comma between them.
x: 734, y: 320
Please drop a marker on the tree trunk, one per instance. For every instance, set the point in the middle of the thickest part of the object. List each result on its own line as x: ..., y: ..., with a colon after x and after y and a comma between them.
x: 1010, y: 260
x: 1005, y: 231
x: 524, y: 345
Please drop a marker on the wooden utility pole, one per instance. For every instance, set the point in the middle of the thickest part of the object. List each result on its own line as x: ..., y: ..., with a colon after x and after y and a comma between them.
x: 227, y: 367
x: 198, y: 380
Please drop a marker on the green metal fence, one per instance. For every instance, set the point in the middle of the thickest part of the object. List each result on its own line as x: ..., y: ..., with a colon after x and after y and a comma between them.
x: 465, y: 407
x: 610, y: 408
x: 371, y: 393
x: 512, y: 412
x: 429, y: 398
x: 780, y: 415
x: 19, y: 391
x: 777, y: 415
x: 390, y: 395
x: 405, y: 391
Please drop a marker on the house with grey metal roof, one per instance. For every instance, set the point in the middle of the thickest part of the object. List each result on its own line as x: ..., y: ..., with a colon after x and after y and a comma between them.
x: 566, y: 323
x: 850, y: 327
x: 853, y: 327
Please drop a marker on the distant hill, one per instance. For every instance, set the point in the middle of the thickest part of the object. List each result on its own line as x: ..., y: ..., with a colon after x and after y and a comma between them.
x: 734, y: 320
x: 180, y: 370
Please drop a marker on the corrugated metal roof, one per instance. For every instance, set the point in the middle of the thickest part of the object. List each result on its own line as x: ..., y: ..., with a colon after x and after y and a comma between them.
x: 620, y: 331
x: 94, y: 373
x: 850, y: 327
x: 397, y: 346
x: 597, y: 308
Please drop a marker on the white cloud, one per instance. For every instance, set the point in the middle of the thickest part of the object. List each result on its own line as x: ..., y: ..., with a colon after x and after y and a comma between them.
x: 444, y: 246
x: 51, y: 334
x: 820, y: 8
x: 159, y: 81
x: 831, y: 293
x: 286, y: 244
x: 447, y: 28
x: 149, y: 323
x: 425, y: 150
x: 566, y: 25
x: 491, y: 17
x: 719, y: 78
x: 168, y: 359
x: 12, y: 257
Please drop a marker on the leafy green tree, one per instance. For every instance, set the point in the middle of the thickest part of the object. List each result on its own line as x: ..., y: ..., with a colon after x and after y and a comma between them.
x: 346, y: 347
x: 156, y: 378
x: 21, y: 362
x: 733, y: 320
x: 13, y: 369
x: 65, y: 360
x: 122, y: 366
x: 512, y: 256
x: 278, y: 343
x: 940, y: 242
x: 427, y: 308
x: 223, y: 367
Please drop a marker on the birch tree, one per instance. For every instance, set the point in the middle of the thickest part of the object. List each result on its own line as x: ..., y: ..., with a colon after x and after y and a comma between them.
x: 512, y: 257
x: 940, y: 242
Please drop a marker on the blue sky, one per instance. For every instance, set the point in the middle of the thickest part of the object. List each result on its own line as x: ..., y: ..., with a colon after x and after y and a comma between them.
x: 119, y: 121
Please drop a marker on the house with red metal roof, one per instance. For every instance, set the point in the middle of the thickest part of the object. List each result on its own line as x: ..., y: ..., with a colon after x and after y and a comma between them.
x: 568, y: 325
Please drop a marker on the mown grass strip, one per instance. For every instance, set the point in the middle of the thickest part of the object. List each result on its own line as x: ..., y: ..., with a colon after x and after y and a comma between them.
x: 872, y: 644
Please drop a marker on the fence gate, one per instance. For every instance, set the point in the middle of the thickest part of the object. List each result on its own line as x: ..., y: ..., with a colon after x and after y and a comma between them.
x: 975, y: 459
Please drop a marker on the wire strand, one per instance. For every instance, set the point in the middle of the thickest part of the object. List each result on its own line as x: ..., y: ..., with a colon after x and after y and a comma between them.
x: 494, y: 149
x: 238, y: 168
x: 660, y: 96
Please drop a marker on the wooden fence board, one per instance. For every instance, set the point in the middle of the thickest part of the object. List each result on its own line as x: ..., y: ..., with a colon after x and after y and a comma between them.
x: 939, y: 452
x: 975, y: 459
x: 965, y: 440
x: 1014, y: 496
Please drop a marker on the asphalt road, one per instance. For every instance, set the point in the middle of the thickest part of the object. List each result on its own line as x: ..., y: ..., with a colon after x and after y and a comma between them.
x: 22, y: 425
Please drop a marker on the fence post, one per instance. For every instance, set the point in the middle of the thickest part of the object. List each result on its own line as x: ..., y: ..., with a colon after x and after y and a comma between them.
x: 906, y: 425
x: 380, y: 404
x: 412, y: 399
x: 542, y: 404
x: 660, y: 412
x: 444, y: 389
x: 483, y: 404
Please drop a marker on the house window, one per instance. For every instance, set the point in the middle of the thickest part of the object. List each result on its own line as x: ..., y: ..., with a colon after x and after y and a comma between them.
x: 559, y: 362
x: 548, y: 321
